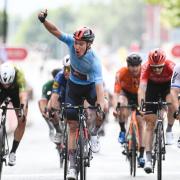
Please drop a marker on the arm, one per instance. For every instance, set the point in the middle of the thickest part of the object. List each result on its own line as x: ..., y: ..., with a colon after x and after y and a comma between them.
x: 174, y: 93
x: 48, y: 25
x: 100, y: 94
x: 54, y: 101
x: 23, y: 96
x: 52, y: 28
x: 141, y: 92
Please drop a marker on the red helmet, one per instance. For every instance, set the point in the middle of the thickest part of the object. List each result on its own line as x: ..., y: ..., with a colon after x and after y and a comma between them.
x: 156, y: 57
x: 84, y: 34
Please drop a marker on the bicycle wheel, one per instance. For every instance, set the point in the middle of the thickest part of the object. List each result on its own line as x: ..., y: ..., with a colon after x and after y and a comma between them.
x: 133, y: 154
x: 159, y: 152
x: 65, y: 153
x: 82, y: 167
x: 1, y: 149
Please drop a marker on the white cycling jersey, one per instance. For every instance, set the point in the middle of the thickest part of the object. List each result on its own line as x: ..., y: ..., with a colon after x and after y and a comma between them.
x: 175, y: 80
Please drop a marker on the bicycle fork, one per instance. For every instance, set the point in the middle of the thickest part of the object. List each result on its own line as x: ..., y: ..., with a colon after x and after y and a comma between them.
x: 87, y: 152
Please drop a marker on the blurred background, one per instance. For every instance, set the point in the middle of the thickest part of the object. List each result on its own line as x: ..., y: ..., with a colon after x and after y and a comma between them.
x: 120, y: 26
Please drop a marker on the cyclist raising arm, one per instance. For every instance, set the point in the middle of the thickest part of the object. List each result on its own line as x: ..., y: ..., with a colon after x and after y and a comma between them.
x: 85, y: 80
x: 175, y: 90
x: 155, y: 80
x: 126, y: 87
x: 13, y: 85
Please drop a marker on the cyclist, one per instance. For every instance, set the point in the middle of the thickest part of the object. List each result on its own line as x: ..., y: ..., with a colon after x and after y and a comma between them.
x: 175, y: 90
x: 58, y: 95
x: 125, y: 89
x: 13, y: 85
x: 155, y: 82
x: 43, y: 102
x: 85, y: 80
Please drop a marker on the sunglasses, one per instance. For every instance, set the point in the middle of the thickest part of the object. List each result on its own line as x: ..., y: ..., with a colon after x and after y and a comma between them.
x: 157, y: 67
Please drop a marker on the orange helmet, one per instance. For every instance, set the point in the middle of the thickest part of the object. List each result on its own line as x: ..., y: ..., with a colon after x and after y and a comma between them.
x: 84, y: 34
x: 156, y: 57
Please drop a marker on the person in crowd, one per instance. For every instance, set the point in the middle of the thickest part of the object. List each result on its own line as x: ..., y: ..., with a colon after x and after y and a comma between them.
x: 125, y: 89
x: 85, y: 81
x: 175, y: 91
x: 13, y: 85
x: 155, y: 82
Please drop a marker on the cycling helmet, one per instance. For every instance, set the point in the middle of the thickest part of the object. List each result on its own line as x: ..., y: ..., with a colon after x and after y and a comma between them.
x: 156, y: 57
x: 84, y: 34
x: 7, y: 73
x: 66, y: 60
x: 133, y: 60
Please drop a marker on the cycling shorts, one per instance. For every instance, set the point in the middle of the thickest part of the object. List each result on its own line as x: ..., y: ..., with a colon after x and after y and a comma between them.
x: 154, y: 92
x: 76, y: 94
x: 132, y: 98
x: 13, y: 94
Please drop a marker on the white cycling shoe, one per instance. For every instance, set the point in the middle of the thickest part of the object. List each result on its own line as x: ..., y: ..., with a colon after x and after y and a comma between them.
x: 71, y: 174
x: 95, y: 144
x: 169, y: 138
x: 12, y: 159
x: 148, y: 167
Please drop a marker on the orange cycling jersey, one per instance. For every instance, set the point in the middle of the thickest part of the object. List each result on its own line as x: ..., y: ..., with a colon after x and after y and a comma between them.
x: 125, y: 81
x: 148, y: 74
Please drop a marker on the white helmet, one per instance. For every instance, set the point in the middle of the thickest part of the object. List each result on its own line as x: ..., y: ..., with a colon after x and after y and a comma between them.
x: 66, y: 60
x: 7, y: 73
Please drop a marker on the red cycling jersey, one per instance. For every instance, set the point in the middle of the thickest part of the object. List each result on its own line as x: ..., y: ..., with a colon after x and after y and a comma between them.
x: 148, y: 74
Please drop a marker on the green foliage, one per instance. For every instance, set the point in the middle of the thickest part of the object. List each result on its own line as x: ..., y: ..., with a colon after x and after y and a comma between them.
x: 170, y: 12
x: 116, y: 23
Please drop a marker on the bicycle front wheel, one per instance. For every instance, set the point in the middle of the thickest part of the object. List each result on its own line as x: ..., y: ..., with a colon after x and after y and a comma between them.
x: 133, y: 154
x: 159, y: 152
x: 65, y: 154
x: 1, y: 149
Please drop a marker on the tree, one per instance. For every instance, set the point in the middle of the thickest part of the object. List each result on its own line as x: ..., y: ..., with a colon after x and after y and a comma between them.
x: 170, y: 11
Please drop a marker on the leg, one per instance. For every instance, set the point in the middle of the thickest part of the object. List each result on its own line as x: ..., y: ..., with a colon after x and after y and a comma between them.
x: 171, y: 110
x: 150, y: 124
x: 123, y: 114
x: 18, y: 134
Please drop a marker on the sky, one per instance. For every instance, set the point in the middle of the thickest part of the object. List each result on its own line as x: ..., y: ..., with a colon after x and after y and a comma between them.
x: 25, y: 7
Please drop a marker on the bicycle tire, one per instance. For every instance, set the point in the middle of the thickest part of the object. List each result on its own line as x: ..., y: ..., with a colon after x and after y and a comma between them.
x: 66, y: 155
x: 1, y: 149
x: 133, y: 154
x: 159, y: 152
x: 81, y: 155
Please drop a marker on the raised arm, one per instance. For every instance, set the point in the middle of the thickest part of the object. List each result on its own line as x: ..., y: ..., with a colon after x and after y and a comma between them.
x: 48, y: 25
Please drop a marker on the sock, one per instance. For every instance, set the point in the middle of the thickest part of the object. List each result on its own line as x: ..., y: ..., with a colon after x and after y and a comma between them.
x: 141, y: 152
x: 94, y: 131
x: 122, y: 125
x: 148, y: 156
x: 72, y: 158
x: 169, y: 128
x: 14, y: 146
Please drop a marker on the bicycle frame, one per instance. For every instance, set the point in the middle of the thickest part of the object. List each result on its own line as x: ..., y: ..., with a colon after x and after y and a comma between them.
x: 132, y: 138
x: 159, y: 150
x: 83, y: 151
x: 133, y: 126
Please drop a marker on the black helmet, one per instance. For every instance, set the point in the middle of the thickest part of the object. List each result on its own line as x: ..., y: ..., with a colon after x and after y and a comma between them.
x: 84, y: 34
x: 133, y: 60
